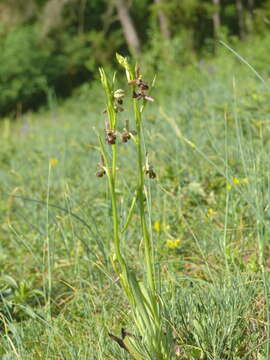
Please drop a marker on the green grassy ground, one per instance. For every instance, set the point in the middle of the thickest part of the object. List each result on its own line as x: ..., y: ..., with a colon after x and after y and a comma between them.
x: 207, y: 135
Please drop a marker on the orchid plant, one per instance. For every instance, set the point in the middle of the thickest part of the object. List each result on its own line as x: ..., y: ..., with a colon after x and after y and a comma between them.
x: 152, y: 338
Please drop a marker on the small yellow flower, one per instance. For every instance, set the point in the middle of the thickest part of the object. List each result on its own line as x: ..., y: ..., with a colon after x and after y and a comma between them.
x: 53, y: 162
x: 236, y: 181
x: 173, y: 244
x: 211, y: 213
x: 157, y: 226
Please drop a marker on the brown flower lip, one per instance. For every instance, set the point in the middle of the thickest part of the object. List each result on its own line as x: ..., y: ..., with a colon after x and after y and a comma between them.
x: 151, y: 174
x: 125, y: 136
x: 110, y: 134
x: 140, y: 95
x: 101, y: 165
x: 142, y: 86
x: 110, y: 138
x: 148, y: 169
x: 100, y: 173
x: 139, y: 83
x: 126, y: 133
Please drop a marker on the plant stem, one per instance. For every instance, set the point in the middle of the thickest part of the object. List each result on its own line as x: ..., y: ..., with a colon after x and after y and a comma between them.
x: 111, y: 172
x: 145, y: 233
x: 112, y: 180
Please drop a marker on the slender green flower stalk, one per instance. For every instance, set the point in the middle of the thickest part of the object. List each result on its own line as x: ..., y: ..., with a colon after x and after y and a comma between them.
x: 147, y: 244
x: 153, y: 341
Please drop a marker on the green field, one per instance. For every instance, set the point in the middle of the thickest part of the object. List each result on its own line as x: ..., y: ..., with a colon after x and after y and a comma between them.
x: 208, y: 137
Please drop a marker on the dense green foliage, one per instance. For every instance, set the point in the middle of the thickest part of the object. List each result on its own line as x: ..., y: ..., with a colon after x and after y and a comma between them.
x: 207, y: 136
x: 54, y: 46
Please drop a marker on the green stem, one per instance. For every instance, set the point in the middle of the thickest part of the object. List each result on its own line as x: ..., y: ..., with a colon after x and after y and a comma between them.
x: 112, y: 179
x: 145, y: 233
x: 111, y: 173
x: 114, y: 158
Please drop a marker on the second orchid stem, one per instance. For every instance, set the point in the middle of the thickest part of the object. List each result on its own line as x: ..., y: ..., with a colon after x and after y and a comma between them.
x: 141, y: 197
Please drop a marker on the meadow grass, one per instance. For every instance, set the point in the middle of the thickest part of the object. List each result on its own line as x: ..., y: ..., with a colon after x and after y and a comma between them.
x: 207, y: 134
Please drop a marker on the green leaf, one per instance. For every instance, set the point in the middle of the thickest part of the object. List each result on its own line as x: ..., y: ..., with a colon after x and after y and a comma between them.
x: 129, y: 213
x: 124, y: 62
x: 121, y: 60
x: 9, y: 280
x: 194, y: 351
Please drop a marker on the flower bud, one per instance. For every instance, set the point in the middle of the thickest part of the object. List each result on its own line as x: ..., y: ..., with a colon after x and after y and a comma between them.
x: 119, y: 94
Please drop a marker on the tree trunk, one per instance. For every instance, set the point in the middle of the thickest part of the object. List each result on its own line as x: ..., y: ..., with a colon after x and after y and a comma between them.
x: 251, y: 5
x: 81, y: 16
x: 128, y: 27
x: 241, y: 18
x: 249, y: 16
x: 216, y: 18
x: 51, y: 16
x: 163, y: 21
